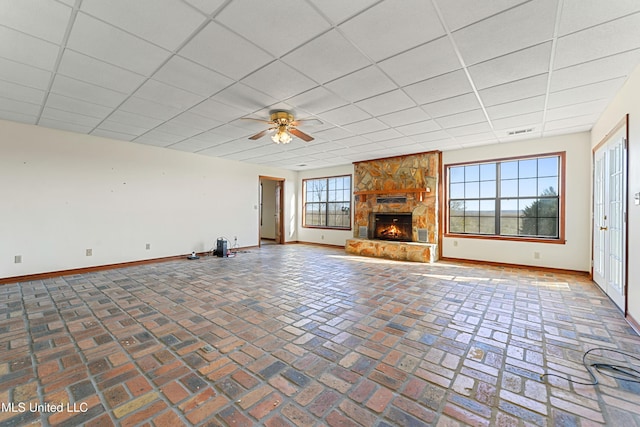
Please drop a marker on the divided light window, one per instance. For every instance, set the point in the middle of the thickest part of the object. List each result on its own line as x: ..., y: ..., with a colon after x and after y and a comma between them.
x: 327, y: 202
x: 515, y: 198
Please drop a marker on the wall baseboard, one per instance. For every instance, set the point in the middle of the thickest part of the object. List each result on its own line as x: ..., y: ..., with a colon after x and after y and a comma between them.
x: 508, y: 265
x: 633, y: 323
x: 82, y: 270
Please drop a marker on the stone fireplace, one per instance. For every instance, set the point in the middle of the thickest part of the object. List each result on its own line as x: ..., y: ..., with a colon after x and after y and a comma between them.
x: 396, y: 208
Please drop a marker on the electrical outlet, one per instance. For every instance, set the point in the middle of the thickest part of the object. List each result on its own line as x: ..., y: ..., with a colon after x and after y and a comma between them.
x: 17, y: 259
x: 89, y: 252
x: 148, y: 246
x: 536, y: 255
x: 455, y: 243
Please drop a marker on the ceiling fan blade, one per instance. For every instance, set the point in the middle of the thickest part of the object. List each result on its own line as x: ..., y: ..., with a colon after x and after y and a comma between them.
x: 261, y: 134
x: 256, y: 120
x: 307, y: 122
x: 300, y: 134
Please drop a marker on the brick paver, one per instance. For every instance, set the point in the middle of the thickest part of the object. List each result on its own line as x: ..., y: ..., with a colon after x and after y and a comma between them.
x: 301, y: 335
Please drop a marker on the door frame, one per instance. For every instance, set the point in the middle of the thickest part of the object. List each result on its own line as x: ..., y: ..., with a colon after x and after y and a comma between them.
x: 622, y: 124
x: 279, y: 207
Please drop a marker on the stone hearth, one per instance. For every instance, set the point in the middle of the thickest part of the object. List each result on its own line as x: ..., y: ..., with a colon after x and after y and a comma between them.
x: 394, y: 185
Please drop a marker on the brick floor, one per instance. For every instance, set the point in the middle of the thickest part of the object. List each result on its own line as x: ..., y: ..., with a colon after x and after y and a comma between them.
x: 301, y: 335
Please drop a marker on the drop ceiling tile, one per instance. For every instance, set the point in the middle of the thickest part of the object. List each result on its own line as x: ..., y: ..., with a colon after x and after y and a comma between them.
x: 579, y: 14
x: 26, y: 49
x: 316, y: 100
x: 148, y: 108
x: 60, y: 125
x: 202, y: 123
x: 517, y: 122
x: 279, y: 80
x: 244, y: 98
x: 418, y: 128
x: 405, y: 117
x: 158, y: 138
x: 603, y: 40
x: 24, y: 75
x: 21, y: 93
x: 326, y: 57
x: 175, y: 128
x: 191, y: 145
x: 475, y: 140
x: 386, y: 103
x: 437, y: 135
x: 102, y: 41
x: 224, y: 57
x: 18, y: 107
x: 441, y: 87
x: 9, y: 113
x: 339, y: 10
x: 73, y: 88
x: 112, y: 135
x: 388, y: 28
x: 212, y: 138
x: 461, y: 119
x: 514, y: 66
x: 231, y: 131
x: 512, y: 91
x: 69, y: 117
x: 217, y: 111
x: 428, y: 60
x: 575, y: 110
x: 520, y: 137
x: 333, y: 134
x: 344, y: 115
x: 165, y: 23
x: 460, y: 13
x: 165, y: 94
x: 600, y: 90
x: 365, y: 126
x: 227, y: 148
x: 528, y: 24
x: 474, y: 129
x: 297, y: 20
x: 585, y: 121
x: 206, y: 6
x: 192, y: 77
x: 90, y: 70
x: 355, y: 141
x: 383, y: 135
x: 139, y: 122
x: 46, y: 20
x: 66, y: 103
x: 607, y: 68
x: 453, y: 105
x: 123, y: 128
x: 523, y: 106
x: 362, y: 84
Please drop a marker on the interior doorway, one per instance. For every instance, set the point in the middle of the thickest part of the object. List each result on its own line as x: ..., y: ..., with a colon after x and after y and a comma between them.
x: 271, y: 227
x: 610, y: 215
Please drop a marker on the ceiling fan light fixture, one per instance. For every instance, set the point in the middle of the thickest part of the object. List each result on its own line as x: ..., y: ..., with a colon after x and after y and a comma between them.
x: 282, y: 136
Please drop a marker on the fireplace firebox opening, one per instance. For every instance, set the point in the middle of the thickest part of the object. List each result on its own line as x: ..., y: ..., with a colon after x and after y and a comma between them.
x: 391, y: 226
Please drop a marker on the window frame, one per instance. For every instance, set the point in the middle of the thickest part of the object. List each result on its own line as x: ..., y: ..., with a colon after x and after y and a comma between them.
x: 561, y: 200
x: 326, y: 202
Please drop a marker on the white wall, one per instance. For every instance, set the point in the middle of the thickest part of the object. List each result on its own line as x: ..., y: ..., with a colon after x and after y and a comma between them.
x: 62, y: 193
x: 319, y: 235
x: 575, y: 254
x: 627, y: 102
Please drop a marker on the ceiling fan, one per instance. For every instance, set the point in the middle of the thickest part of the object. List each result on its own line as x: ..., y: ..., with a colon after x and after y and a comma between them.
x: 284, y: 125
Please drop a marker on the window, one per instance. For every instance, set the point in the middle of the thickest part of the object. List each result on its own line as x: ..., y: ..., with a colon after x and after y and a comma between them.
x: 511, y: 198
x: 327, y: 202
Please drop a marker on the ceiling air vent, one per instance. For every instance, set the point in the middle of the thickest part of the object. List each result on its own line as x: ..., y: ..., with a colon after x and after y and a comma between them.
x: 519, y: 131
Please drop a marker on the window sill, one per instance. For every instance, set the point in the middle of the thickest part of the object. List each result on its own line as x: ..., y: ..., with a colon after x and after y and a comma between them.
x: 505, y: 238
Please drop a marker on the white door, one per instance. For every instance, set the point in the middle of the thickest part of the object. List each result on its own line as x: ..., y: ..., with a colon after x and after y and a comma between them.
x: 609, y: 213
